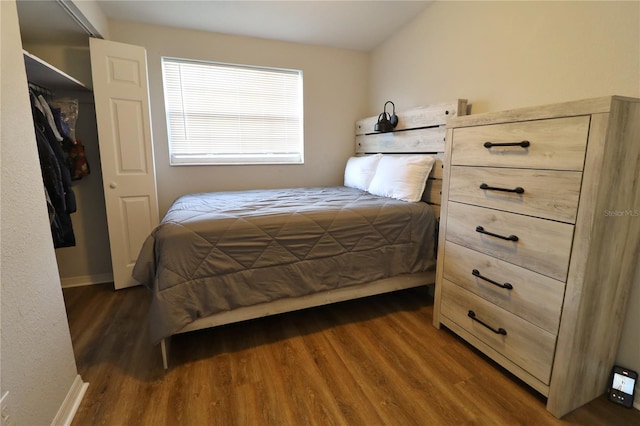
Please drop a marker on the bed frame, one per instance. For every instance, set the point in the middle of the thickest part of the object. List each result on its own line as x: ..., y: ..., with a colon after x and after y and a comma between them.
x: 420, y: 130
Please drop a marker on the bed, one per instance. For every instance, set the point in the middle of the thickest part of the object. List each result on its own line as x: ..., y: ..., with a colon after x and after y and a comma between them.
x: 224, y: 257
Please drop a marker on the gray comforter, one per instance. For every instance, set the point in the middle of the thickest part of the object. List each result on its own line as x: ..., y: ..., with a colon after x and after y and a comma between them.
x: 218, y: 251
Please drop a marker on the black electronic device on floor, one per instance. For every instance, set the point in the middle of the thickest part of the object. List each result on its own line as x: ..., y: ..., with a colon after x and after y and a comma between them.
x: 622, y: 386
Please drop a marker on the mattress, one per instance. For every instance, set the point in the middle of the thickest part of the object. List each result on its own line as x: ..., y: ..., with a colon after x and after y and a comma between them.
x: 215, y: 252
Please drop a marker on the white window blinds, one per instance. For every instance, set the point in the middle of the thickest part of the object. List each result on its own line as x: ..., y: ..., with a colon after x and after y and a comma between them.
x: 232, y: 114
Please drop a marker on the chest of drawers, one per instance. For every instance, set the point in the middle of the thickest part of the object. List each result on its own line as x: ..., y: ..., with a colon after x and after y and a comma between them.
x: 539, y: 238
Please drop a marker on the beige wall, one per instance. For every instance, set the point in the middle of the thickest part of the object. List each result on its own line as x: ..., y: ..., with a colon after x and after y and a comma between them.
x: 335, y: 93
x: 502, y: 55
x: 37, y: 361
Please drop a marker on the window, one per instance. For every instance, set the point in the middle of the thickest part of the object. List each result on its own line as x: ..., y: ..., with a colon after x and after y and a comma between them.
x: 232, y: 114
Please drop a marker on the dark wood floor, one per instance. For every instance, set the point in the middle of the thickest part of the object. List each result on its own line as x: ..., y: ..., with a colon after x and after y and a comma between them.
x: 376, y: 361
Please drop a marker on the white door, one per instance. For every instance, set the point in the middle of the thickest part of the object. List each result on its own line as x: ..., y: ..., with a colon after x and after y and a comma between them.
x: 126, y: 150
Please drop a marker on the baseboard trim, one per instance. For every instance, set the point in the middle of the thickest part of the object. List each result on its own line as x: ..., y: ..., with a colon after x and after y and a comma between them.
x: 70, y: 405
x: 83, y: 280
x: 636, y: 405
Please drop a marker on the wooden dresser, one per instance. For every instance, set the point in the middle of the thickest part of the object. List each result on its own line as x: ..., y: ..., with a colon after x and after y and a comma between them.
x: 539, y: 238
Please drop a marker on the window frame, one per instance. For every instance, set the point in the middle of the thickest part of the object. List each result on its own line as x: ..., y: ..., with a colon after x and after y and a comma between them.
x: 293, y: 113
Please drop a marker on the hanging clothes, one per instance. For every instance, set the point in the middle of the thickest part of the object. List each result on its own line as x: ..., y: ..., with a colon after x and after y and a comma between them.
x: 55, y: 175
x: 49, y: 116
x: 65, y: 114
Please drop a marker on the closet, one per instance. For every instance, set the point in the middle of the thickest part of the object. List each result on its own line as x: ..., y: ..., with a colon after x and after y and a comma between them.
x: 115, y: 211
x: 62, y: 157
x: 89, y: 260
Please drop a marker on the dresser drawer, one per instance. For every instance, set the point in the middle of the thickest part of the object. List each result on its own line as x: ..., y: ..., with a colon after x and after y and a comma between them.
x: 526, y: 345
x: 542, y: 245
x: 557, y: 144
x: 550, y: 194
x: 531, y: 296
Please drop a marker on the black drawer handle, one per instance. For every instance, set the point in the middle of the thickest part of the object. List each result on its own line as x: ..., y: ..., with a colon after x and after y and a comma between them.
x: 506, y: 286
x: 481, y: 230
x: 500, y: 330
x: 517, y: 189
x: 523, y: 144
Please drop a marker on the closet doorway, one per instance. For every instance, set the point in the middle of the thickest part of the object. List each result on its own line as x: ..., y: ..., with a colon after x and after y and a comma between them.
x: 53, y: 40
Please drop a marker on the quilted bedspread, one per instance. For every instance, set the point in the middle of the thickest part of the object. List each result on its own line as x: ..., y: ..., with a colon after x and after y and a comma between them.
x: 218, y: 251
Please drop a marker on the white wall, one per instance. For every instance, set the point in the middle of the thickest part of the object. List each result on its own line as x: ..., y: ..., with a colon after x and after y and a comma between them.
x: 502, y: 55
x: 335, y: 94
x: 36, y: 356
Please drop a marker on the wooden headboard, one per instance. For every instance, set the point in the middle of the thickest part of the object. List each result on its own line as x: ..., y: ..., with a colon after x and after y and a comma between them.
x: 419, y: 131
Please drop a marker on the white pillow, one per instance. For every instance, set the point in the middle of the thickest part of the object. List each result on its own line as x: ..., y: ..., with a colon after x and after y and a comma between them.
x: 360, y: 170
x: 403, y: 177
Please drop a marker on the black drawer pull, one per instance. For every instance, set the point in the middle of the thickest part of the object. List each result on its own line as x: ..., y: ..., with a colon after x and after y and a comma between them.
x: 517, y: 190
x: 506, y: 286
x: 481, y: 230
x: 500, y: 330
x: 523, y: 144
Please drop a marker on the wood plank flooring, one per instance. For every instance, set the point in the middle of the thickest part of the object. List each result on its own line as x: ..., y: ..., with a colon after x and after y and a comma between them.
x: 375, y: 361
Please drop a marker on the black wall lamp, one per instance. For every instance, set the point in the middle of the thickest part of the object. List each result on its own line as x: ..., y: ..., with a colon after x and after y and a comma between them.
x: 386, y: 122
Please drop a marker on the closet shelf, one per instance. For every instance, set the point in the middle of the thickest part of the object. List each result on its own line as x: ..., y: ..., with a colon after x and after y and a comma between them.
x: 48, y: 76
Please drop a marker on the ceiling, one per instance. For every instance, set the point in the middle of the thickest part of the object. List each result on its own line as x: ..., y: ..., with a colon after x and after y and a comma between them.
x: 359, y: 25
